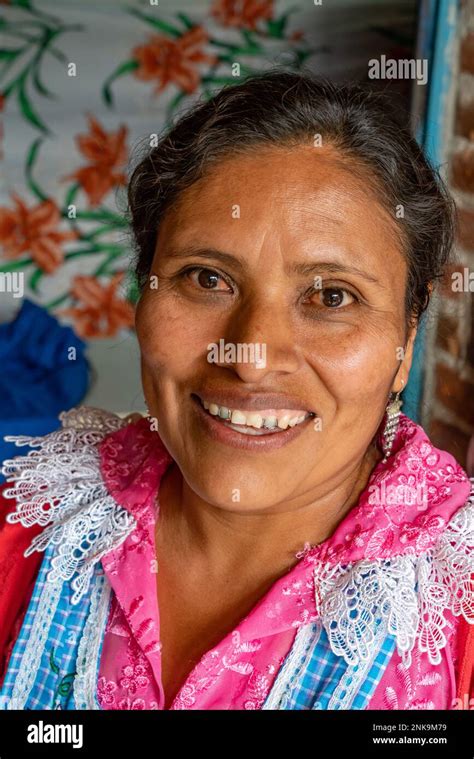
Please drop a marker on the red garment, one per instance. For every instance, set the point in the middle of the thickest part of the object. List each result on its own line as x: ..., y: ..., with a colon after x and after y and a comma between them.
x: 465, y: 690
x: 17, y: 576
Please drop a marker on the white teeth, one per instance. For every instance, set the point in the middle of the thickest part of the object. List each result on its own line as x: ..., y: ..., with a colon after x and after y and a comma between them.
x: 238, y: 418
x: 251, y: 419
x: 296, y: 420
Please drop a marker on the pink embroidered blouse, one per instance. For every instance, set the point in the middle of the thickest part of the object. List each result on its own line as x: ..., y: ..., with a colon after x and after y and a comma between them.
x: 239, y: 672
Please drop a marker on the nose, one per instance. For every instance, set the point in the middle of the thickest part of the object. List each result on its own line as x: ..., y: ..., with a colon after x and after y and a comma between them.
x: 260, y: 341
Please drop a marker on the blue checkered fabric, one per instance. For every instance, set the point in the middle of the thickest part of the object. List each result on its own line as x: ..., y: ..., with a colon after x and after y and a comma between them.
x: 321, y: 671
x: 52, y: 687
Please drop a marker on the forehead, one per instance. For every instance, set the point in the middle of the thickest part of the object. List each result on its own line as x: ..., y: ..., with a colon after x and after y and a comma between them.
x: 300, y: 200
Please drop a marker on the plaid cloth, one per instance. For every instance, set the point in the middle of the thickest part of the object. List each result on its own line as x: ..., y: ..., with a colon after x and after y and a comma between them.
x: 52, y: 677
x: 320, y: 679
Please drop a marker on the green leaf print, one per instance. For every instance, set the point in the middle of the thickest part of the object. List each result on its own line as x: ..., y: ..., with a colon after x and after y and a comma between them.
x: 52, y: 663
x: 64, y: 687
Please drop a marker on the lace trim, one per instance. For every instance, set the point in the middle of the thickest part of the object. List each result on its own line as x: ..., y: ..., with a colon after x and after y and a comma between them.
x: 88, y: 654
x: 33, y: 652
x: 60, y: 485
x: 305, y: 640
x: 352, y: 680
x: 408, y: 594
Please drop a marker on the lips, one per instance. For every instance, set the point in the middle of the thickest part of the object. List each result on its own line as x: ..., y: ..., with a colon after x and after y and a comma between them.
x: 253, y: 415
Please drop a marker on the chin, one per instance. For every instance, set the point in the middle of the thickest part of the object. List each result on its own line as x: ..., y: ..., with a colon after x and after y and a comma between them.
x: 235, y: 488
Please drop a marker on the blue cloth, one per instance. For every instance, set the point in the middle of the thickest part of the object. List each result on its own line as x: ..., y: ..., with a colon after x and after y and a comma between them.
x: 43, y: 371
x: 53, y: 681
x: 323, y: 680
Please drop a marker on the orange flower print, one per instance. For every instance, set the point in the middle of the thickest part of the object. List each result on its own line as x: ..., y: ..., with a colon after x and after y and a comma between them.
x: 173, y: 60
x: 100, y: 313
x: 244, y: 14
x: 34, y: 231
x: 106, y: 153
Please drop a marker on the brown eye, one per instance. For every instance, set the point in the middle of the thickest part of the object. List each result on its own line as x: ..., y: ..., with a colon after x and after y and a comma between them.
x: 334, y: 297
x: 207, y: 279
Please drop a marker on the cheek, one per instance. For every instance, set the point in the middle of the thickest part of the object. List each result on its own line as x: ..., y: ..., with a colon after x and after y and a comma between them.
x: 164, y: 334
x: 357, y: 363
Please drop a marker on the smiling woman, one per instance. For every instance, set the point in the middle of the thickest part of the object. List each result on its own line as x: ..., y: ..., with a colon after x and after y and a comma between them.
x: 276, y: 534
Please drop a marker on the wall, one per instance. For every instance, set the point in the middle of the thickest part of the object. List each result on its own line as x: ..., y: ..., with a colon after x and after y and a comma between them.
x: 449, y: 396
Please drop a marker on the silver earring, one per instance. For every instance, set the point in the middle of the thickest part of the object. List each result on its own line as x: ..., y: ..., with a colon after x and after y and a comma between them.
x: 391, y: 424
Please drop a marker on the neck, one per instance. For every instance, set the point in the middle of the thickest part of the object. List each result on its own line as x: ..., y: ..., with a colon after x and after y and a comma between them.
x: 223, y: 542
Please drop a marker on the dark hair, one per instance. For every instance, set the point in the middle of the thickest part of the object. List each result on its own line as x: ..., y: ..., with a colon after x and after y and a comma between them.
x: 284, y: 108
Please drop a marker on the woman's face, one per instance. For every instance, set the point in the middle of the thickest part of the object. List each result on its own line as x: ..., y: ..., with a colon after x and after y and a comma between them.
x: 288, y: 263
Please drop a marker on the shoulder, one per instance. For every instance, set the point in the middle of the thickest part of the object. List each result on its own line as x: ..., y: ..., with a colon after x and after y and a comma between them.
x: 403, y: 556
x: 59, y: 466
x: 60, y: 493
x: 85, y: 485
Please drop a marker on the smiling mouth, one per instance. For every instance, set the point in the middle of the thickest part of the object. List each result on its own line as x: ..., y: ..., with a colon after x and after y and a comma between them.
x: 264, y: 422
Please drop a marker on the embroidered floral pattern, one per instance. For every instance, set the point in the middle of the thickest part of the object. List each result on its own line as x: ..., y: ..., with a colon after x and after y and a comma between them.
x: 106, y: 692
x: 186, y: 698
x: 372, y: 534
x: 134, y: 677
x: 414, y: 687
x: 136, y: 703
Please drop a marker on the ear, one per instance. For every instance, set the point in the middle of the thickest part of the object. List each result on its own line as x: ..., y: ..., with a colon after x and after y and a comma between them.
x: 401, y: 378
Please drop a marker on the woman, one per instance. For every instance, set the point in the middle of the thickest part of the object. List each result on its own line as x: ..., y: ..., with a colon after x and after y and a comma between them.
x: 275, y: 534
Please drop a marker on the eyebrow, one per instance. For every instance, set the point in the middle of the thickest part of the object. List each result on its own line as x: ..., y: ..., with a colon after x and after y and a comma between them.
x: 330, y: 267
x: 225, y: 258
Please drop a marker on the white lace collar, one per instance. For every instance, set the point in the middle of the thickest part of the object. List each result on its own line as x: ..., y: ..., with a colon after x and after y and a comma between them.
x: 60, y: 485
x: 408, y: 594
